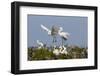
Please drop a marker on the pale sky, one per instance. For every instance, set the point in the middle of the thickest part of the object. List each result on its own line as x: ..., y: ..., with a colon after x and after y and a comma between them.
x: 76, y: 26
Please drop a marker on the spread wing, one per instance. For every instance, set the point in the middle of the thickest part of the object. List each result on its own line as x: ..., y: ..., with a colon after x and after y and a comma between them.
x: 44, y: 28
x: 65, y: 35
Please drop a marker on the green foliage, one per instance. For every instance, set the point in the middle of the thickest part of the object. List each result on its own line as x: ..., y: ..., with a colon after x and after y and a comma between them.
x: 77, y: 52
x: 41, y: 54
x: 45, y: 54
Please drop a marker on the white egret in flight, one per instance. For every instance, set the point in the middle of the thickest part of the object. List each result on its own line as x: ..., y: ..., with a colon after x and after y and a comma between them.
x: 53, y: 32
x: 63, y: 35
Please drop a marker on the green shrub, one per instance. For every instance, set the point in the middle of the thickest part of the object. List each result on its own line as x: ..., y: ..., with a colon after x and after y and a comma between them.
x: 45, y: 54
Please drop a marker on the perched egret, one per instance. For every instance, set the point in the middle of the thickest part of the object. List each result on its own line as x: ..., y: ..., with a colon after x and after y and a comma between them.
x: 63, y: 50
x: 40, y: 44
x: 56, y: 51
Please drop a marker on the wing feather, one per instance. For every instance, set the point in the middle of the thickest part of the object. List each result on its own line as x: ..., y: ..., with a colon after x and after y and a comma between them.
x: 46, y: 29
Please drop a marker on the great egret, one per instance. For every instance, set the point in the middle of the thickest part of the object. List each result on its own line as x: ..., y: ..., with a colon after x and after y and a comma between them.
x: 56, y: 51
x: 53, y: 32
x: 63, y: 35
x: 40, y: 44
x: 63, y: 50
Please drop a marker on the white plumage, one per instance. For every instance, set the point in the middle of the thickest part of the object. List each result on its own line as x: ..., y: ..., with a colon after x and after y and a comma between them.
x: 46, y: 29
x: 56, y: 52
x: 64, y: 35
x: 63, y: 50
x: 40, y: 44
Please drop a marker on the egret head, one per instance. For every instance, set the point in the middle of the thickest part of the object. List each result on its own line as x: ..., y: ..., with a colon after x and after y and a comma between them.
x: 60, y: 29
